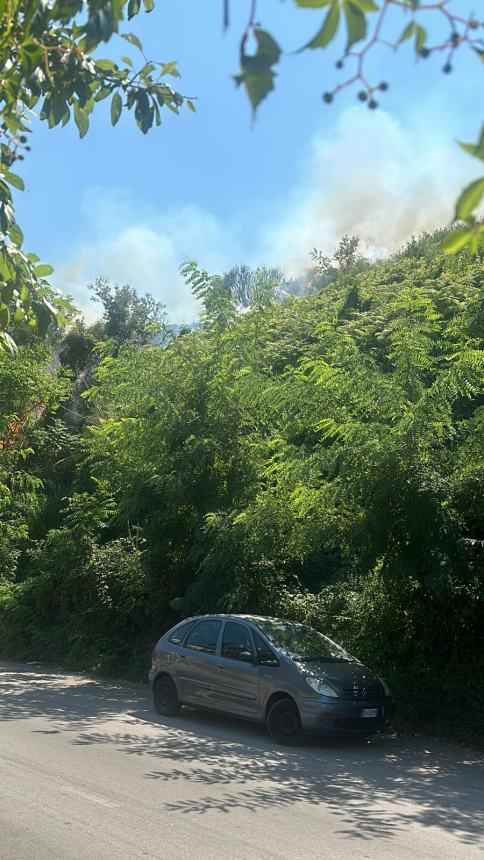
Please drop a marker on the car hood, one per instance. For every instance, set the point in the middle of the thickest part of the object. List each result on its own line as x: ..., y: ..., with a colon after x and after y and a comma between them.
x: 352, y: 679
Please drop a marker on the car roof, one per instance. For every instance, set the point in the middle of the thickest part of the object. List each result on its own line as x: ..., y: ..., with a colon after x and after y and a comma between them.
x: 254, y: 619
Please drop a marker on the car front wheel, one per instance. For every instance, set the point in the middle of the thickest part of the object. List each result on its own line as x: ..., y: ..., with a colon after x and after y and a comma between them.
x: 284, y: 723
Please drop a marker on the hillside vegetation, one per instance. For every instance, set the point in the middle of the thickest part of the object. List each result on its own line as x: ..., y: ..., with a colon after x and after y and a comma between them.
x: 317, y: 458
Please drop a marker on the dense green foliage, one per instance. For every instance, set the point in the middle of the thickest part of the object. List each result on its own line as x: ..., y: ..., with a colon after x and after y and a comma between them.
x: 320, y: 458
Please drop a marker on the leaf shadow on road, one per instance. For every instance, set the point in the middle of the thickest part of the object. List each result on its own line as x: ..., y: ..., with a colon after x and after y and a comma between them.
x: 216, y: 764
x: 375, y: 788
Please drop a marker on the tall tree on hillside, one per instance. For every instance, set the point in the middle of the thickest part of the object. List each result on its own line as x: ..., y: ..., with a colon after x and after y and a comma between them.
x: 127, y: 316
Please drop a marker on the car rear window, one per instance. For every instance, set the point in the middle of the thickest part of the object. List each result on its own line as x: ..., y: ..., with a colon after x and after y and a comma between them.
x: 179, y: 634
x: 204, y: 636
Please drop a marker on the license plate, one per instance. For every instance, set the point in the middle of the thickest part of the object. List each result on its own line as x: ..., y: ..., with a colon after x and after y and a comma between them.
x: 369, y: 712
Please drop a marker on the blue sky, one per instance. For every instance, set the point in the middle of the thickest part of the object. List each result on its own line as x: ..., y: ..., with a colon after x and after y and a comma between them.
x: 217, y: 187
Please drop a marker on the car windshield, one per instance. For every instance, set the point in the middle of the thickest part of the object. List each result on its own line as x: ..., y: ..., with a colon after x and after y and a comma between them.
x: 302, y: 643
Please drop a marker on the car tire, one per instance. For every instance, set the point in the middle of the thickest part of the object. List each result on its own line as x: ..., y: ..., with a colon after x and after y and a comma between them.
x: 165, y: 697
x: 284, y: 722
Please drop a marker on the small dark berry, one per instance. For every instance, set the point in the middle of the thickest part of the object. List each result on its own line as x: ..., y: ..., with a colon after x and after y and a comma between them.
x: 362, y: 95
x: 447, y: 68
x: 372, y: 104
x: 23, y: 138
x: 339, y: 64
x: 473, y: 24
x: 424, y: 52
x: 328, y: 97
x: 454, y: 38
x: 383, y: 86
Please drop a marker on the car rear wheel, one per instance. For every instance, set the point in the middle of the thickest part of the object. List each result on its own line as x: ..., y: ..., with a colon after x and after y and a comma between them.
x: 165, y: 697
x: 284, y: 723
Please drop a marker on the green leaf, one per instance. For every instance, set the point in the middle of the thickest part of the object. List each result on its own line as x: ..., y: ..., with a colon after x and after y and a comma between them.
x: 146, y: 70
x: 4, y: 316
x: 116, y: 108
x: 149, y: 5
x: 144, y: 112
x: 327, y: 32
x: 366, y: 5
x: 101, y: 94
x: 407, y: 33
x: 45, y: 109
x: 106, y: 65
x: 190, y: 105
x: 170, y: 69
x: 477, y: 239
x: 420, y: 37
x: 469, y: 200
x: 16, y: 235
x: 257, y: 86
x: 7, y: 342
x: 133, y: 8
x: 480, y: 54
x: 14, y: 180
x: 256, y: 69
x: 128, y: 61
x: 475, y: 149
x: 61, y: 319
x: 133, y: 40
x: 82, y: 119
x: 43, y: 271
x: 457, y: 240
x: 66, y: 116
x: 355, y: 22
x: 58, y: 107
x: 6, y: 293
x: 267, y: 47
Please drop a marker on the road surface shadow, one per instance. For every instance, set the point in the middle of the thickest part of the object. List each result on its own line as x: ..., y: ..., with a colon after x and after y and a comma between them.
x: 376, y: 788
x: 31, y: 690
x: 350, y: 777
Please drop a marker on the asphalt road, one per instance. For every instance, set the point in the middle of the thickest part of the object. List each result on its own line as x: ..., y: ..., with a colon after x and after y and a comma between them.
x: 87, y: 770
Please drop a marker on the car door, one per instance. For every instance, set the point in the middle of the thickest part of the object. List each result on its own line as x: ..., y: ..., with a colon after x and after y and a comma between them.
x: 237, y: 675
x: 196, y: 664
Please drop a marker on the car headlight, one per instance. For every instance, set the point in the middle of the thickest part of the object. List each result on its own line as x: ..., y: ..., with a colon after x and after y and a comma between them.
x: 321, y: 687
x: 385, y: 686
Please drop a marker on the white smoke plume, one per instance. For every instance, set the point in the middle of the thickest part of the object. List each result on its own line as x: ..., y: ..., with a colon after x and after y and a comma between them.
x: 367, y: 176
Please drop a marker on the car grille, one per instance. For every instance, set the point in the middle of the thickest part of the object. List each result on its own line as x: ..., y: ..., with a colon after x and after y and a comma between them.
x: 373, y: 690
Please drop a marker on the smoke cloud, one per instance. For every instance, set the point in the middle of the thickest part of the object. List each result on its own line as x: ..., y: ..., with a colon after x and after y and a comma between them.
x: 368, y: 177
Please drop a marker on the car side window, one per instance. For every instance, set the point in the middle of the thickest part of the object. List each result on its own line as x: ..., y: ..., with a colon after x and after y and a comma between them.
x: 236, y: 638
x: 179, y: 634
x: 204, y: 636
x: 265, y: 654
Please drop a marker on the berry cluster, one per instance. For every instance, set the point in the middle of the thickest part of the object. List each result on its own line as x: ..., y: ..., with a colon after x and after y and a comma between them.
x: 463, y: 32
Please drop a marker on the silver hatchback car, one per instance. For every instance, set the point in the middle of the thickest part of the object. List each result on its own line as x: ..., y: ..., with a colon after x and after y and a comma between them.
x: 272, y: 671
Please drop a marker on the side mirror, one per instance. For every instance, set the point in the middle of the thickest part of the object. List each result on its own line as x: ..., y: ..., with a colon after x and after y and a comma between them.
x: 246, y: 657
